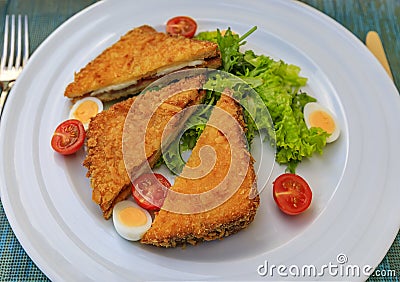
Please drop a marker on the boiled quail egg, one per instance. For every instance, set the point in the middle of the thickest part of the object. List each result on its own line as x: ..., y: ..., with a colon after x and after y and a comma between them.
x: 316, y: 115
x: 130, y: 220
x: 84, y: 109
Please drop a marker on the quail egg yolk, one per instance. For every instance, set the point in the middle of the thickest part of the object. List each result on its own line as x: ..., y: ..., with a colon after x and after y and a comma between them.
x: 86, y: 110
x: 132, y: 216
x: 322, y: 120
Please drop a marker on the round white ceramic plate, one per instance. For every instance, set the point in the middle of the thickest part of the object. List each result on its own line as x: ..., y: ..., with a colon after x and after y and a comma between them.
x: 355, y: 210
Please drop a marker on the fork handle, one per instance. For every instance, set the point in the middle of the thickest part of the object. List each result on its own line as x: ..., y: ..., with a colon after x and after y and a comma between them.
x: 6, y: 87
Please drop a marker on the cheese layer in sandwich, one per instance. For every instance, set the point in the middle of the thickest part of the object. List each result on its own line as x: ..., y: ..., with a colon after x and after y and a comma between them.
x: 140, y: 57
x: 205, y: 216
x: 105, y: 158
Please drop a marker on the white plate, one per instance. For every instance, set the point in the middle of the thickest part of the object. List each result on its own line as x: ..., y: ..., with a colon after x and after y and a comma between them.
x: 355, y: 211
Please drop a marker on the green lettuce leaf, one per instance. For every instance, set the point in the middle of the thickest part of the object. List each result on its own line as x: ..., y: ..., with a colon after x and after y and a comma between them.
x: 278, y: 85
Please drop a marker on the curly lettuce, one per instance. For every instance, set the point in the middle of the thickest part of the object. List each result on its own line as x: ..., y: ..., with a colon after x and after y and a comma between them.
x: 278, y: 85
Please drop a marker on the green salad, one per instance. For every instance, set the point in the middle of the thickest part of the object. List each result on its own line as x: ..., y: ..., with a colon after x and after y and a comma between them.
x: 277, y: 83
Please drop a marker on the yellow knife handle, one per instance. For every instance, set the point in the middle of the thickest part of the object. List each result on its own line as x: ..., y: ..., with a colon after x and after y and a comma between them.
x: 374, y: 44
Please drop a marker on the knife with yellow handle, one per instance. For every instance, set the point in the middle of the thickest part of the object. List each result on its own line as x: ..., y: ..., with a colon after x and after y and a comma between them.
x: 374, y: 44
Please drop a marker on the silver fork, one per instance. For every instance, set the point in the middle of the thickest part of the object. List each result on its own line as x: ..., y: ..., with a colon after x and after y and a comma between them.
x: 11, y: 64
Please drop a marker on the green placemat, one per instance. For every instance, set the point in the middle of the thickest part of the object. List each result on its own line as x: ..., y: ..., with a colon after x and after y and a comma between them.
x: 359, y: 16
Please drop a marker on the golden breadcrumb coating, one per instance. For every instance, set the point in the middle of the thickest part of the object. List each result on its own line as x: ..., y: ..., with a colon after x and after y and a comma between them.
x: 170, y: 228
x: 138, y: 56
x: 105, y: 156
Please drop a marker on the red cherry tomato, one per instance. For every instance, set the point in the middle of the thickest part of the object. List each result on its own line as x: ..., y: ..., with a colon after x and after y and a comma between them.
x: 291, y: 193
x: 182, y: 25
x: 149, y: 190
x: 68, y: 137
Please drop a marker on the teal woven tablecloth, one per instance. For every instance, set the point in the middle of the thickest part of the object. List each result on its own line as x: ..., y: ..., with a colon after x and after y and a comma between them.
x: 359, y: 16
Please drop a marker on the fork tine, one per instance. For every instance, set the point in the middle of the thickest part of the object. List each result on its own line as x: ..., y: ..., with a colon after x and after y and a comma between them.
x: 19, y: 44
x: 12, y: 43
x: 26, y: 39
x: 5, y: 45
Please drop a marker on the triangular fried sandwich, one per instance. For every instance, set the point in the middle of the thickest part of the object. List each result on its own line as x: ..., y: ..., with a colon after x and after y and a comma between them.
x: 105, y: 160
x: 138, y: 58
x: 224, y: 199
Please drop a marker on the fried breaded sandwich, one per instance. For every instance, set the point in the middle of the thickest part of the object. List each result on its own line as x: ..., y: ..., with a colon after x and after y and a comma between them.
x: 214, y: 197
x: 138, y: 58
x: 128, y: 136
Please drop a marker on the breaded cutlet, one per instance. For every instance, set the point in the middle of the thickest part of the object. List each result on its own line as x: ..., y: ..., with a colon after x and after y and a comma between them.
x: 107, y: 162
x: 138, y: 58
x: 209, y: 216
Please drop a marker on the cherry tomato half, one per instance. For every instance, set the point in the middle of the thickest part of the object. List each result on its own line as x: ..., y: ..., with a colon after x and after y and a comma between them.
x: 68, y: 137
x: 182, y: 25
x: 149, y: 190
x: 291, y: 193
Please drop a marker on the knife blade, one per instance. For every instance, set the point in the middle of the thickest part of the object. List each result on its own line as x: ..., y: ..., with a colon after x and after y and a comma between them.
x: 374, y: 44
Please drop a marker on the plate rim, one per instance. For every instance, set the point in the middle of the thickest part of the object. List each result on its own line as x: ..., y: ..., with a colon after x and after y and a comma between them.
x: 8, y: 207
